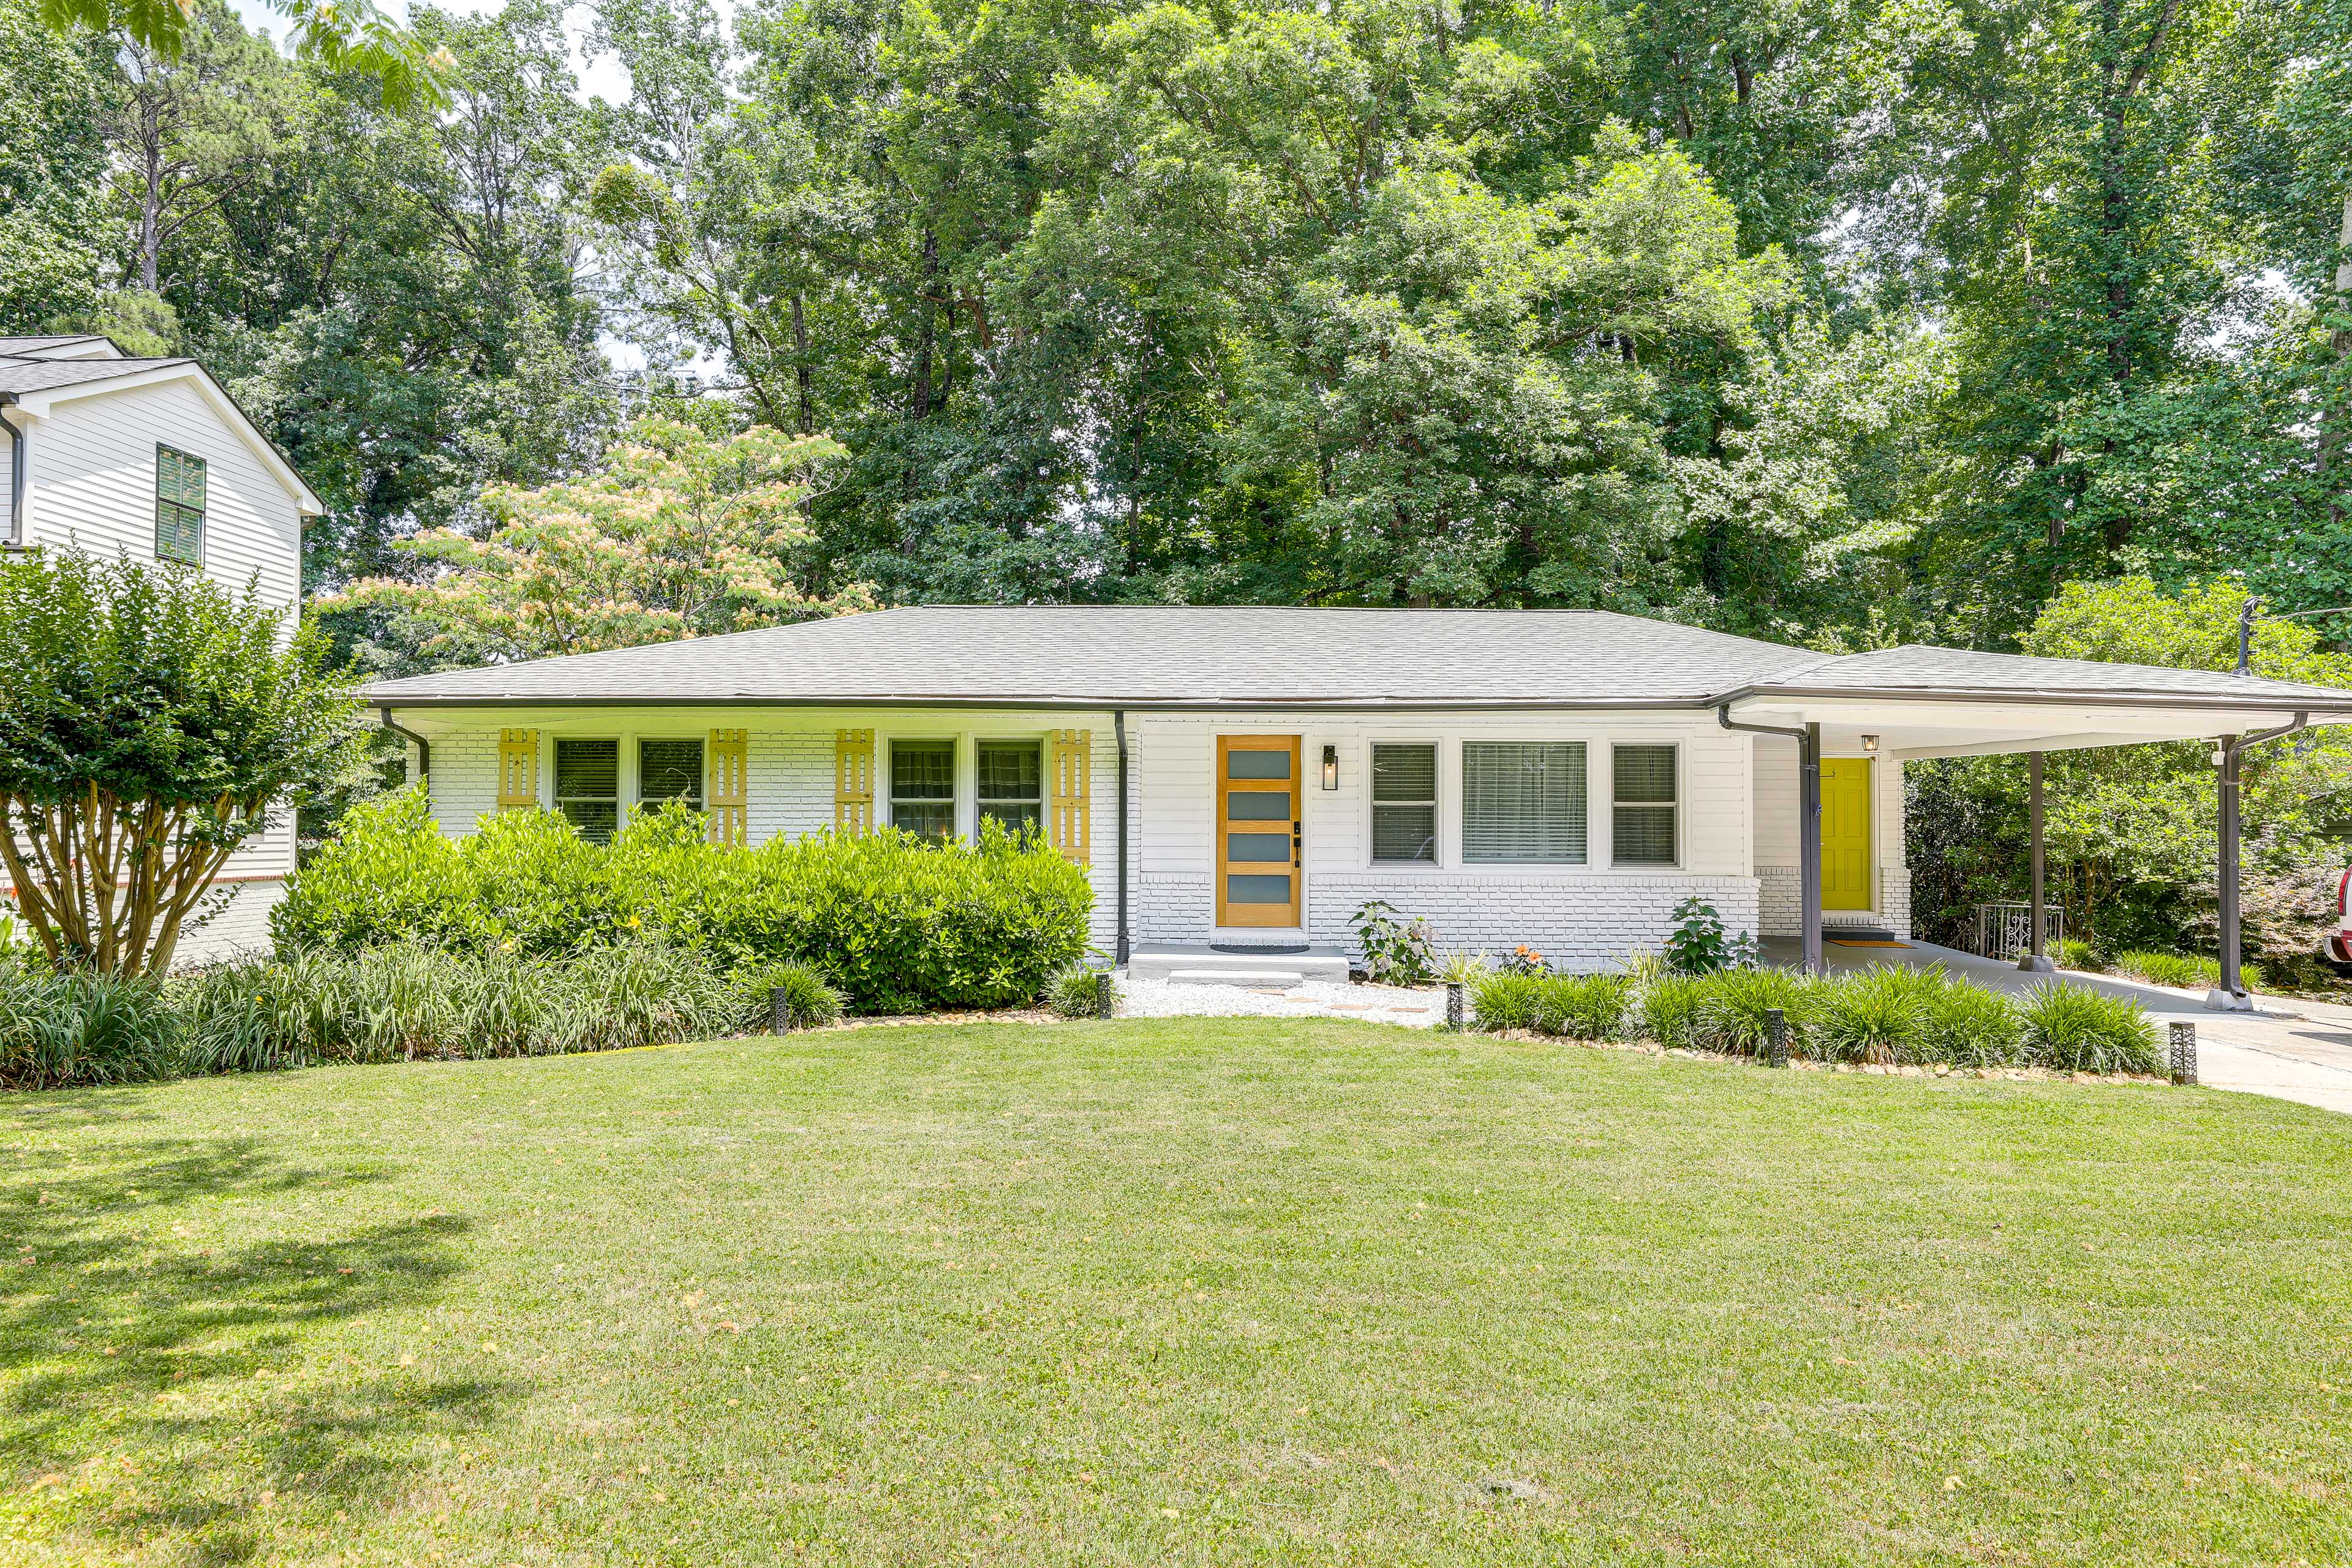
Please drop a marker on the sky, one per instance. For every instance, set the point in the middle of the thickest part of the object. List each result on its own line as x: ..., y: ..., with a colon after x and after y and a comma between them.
x: 602, y: 77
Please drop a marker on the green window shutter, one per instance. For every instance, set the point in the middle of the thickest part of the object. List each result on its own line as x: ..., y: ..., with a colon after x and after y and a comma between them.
x: 180, y: 489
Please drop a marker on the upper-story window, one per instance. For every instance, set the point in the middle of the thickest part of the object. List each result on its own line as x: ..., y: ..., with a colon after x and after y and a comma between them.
x: 179, y: 506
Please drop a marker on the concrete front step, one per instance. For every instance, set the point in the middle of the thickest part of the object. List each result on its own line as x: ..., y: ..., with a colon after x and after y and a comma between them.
x: 1195, y: 963
x: 1282, y: 977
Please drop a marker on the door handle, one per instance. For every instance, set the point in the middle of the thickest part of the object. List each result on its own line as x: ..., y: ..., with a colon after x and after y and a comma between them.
x: 1297, y: 855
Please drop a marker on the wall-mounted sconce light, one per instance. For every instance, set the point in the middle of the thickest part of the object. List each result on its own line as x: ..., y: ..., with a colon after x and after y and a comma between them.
x: 1330, y: 767
x: 1870, y: 745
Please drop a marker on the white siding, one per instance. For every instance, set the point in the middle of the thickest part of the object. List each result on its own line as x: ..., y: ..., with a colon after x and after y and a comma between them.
x: 1776, y: 843
x: 90, y: 470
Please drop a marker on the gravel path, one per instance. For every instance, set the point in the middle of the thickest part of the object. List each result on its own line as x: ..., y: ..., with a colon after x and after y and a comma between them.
x: 1314, y: 999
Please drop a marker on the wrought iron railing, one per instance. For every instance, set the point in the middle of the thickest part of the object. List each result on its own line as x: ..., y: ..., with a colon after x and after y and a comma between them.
x: 2006, y: 931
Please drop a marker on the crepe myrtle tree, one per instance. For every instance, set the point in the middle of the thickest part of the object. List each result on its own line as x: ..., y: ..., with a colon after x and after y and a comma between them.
x: 151, y: 721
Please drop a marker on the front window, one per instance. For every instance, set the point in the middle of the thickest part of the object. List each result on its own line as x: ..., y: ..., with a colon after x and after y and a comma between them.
x: 1405, y: 802
x: 179, y: 507
x: 669, y: 771
x: 1523, y: 802
x: 1012, y: 785
x: 922, y: 787
x: 1641, y: 825
x: 588, y: 786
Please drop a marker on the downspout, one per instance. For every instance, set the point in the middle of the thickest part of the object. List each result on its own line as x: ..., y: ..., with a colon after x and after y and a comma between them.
x: 2230, y: 996
x: 424, y: 747
x: 15, y: 540
x: 1808, y: 825
x: 1118, y: 728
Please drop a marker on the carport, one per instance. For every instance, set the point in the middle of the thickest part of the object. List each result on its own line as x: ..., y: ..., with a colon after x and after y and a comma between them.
x: 1920, y: 702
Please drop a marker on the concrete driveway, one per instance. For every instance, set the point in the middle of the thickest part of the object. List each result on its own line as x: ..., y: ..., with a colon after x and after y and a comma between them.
x: 2290, y: 1049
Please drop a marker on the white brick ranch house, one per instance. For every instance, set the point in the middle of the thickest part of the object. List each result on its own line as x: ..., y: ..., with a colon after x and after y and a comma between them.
x: 1246, y: 777
x: 152, y: 457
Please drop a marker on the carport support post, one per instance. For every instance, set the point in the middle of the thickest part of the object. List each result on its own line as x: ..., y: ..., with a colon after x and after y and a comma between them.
x: 2232, y: 992
x: 1809, y: 849
x: 2035, y: 961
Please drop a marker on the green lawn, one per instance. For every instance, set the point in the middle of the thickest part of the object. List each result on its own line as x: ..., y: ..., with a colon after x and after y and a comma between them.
x: 1195, y: 1290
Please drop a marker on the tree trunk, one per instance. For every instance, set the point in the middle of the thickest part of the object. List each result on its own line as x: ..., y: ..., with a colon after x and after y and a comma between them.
x: 801, y: 375
x: 2336, y: 411
x: 926, y: 339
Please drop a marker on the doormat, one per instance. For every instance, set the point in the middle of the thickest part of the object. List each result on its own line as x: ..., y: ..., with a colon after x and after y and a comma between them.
x: 1267, y: 947
x: 1864, y: 942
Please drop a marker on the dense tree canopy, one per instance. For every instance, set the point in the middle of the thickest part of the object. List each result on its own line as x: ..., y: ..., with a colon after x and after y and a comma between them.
x: 1841, y: 322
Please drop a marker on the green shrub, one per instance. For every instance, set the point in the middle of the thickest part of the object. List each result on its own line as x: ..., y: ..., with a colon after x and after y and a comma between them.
x: 406, y: 1001
x: 899, y: 923
x: 1500, y: 1000
x: 1733, y: 1001
x: 1584, y: 1006
x: 1879, y: 1015
x: 2074, y: 952
x: 2074, y: 1029
x: 1669, y: 1009
x: 2182, y: 970
x: 1971, y: 1025
x: 1073, y: 992
x: 810, y: 1001
x: 82, y: 1027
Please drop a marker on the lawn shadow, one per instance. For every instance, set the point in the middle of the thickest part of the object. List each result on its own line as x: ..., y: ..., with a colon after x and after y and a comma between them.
x: 155, y: 1385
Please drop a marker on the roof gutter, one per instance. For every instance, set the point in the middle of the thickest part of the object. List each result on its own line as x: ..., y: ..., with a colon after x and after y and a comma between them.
x: 2216, y: 701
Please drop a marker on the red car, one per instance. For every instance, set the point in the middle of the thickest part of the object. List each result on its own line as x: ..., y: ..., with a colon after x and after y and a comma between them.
x: 2335, y: 947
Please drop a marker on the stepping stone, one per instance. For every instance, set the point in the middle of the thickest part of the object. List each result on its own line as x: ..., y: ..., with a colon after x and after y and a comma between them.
x: 1408, y: 1009
x: 1350, y: 1007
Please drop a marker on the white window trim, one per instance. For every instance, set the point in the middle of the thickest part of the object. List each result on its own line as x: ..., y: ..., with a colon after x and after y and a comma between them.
x: 1595, y: 855
x: 1681, y: 792
x: 1448, y: 832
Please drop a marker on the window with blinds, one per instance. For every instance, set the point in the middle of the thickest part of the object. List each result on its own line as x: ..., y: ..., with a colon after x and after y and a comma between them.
x: 922, y: 787
x: 588, y: 786
x: 179, y: 506
x: 1641, y: 819
x: 1523, y: 802
x: 1405, y: 802
x: 1012, y: 785
x: 669, y: 771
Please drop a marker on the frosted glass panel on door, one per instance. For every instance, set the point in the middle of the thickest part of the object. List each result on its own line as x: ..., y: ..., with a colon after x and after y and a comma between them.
x: 1257, y: 890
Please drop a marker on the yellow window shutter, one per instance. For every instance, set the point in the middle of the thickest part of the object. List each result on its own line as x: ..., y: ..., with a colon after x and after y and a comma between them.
x: 731, y: 786
x: 1070, y: 767
x: 518, y: 770
x: 853, y: 780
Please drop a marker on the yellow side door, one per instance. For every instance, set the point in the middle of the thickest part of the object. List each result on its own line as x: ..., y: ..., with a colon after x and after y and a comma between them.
x: 1846, y: 833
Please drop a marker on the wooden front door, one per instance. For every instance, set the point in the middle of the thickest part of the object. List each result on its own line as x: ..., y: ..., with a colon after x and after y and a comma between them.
x: 1846, y: 833
x: 1257, y: 855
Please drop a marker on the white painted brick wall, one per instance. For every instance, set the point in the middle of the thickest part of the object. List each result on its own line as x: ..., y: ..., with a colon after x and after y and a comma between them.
x: 240, y: 929
x: 790, y: 768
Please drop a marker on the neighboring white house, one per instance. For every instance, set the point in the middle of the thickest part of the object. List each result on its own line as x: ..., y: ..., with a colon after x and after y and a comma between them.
x: 1561, y: 779
x: 152, y: 457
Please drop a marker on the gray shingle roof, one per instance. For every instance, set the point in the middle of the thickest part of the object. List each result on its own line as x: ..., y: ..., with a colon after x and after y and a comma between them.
x: 1209, y: 656
x: 1928, y: 670
x: 41, y: 374
x: 41, y: 345
x: 1147, y: 655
